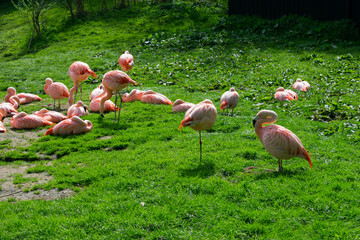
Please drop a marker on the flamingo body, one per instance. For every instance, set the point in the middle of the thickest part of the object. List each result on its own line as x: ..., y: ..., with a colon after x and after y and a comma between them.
x: 2, y: 116
x: 51, y: 116
x: 78, y: 109
x: 277, y: 140
x: 78, y: 72
x: 282, y: 94
x: 23, y: 97
x: 9, y: 109
x: 301, y: 85
x: 126, y: 61
x: 56, y: 90
x: 181, y: 106
x: 134, y: 95
x: 96, y: 92
x: 74, y: 125
x: 229, y: 99
x: 22, y: 121
x: 109, y: 106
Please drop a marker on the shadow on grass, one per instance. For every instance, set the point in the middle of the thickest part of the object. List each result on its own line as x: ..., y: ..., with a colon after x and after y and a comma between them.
x: 274, y: 173
x: 108, y: 122
x: 203, y: 170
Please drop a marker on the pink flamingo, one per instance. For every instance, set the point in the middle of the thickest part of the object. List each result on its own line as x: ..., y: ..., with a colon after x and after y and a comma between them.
x: 23, y: 97
x: 74, y: 125
x: 126, y: 61
x: 301, y: 85
x: 22, y: 120
x: 96, y: 92
x: 51, y: 116
x: 78, y: 109
x: 114, y: 81
x: 152, y: 97
x: 277, y: 140
x: 181, y: 106
x: 229, y: 100
x: 56, y: 90
x: 9, y: 108
x: 282, y: 94
x: 78, y: 72
x: 2, y: 116
x: 134, y: 95
x: 200, y: 117
x: 15, y: 101
x: 94, y: 105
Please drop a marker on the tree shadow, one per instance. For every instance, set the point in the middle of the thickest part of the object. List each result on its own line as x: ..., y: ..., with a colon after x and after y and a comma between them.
x: 202, y: 170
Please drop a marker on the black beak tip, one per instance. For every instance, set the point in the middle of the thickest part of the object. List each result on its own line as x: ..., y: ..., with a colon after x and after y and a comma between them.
x: 254, y: 121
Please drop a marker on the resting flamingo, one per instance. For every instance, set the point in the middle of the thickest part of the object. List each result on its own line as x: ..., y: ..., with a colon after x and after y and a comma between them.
x: 156, y: 98
x: 23, y: 97
x: 78, y: 109
x: 277, y: 140
x: 114, y: 81
x: 301, y: 85
x: 56, y: 90
x: 134, y: 95
x: 200, y: 117
x: 282, y: 94
x: 96, y: 92
x: 51, y: 116
x: 2, y: 116
x: 15, y: 101
x: 126, y: 61
x: 74, y: 125
x: 22, y: 120
x: 78, y: 72
x: 9, y: 108
x: 94, y: 105
x: 181, y: 106
x: 229, y: 100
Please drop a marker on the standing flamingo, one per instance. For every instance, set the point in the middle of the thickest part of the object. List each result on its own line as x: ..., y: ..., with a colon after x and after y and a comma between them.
x: 200, y: 117
x: 181, y: 106
x: 56, y: 90
x: 114, y: 81
x: 126, y: 61
x: 78, y: 72
x: 2, y: 116
x: 78, y: 109
x: 22, y: 120
x: 301, y: 85
x: 277, y: 140
x: 229, y: 100
x: 282, y: 94
x: 23, y: 97
x: 51, y: 116
x: 74, y: 125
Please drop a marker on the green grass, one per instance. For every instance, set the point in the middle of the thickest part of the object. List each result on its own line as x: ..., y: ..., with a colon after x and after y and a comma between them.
x: 142, y: 178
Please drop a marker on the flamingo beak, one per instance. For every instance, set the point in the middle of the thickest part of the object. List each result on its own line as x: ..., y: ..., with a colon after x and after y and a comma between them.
x: 3, y: 117
x: 254, y: 122
x: 85, y: 109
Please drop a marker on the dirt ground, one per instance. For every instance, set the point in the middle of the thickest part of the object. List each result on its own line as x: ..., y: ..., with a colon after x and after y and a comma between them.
x: 11, y: 191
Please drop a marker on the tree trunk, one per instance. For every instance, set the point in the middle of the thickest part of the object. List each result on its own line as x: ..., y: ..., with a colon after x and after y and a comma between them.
x: 103, y: 6
x: 80, y: 8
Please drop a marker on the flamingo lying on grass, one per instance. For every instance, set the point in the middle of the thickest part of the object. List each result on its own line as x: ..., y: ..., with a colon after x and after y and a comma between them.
x: 2, y: 116
x: 114, y: 81
x: 181, y: 106
x: 109, y: 106
x: 229, y: 100
x: 74, y: 125
x: 22, y: 120
x: 282, y: 94
x: 146, y: 97
x: 78, y: 109
x: 23, y: 97
x: 126, y: 61
x: 96, y: 92
x: 9, y: 109
x: 78, y: 72
x: 301, y: 85
x: 51, y: 116
x: 200, y: 117
x: 277, y: 140
x: 56, y: 90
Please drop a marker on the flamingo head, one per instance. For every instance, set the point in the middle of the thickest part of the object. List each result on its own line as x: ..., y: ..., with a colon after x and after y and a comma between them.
x: 232, y: 89
x: 48, y: 81
x: 178, y: 102
x: 19, y: 115
x: 298, y: 80
x: 267, y: 115
x: 280, y: 89
x: 11, y: 90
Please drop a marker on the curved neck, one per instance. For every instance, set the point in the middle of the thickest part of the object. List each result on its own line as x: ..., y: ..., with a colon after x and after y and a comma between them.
x: 269, y: 118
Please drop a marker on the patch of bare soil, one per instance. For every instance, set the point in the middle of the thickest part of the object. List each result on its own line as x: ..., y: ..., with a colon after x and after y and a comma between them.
x: 12, y: 191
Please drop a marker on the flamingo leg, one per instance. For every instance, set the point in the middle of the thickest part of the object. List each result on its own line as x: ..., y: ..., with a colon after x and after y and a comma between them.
x: 200, y: 145
x: 59, y: 104
x: 54, y: 104
x: 280, y: 165
x: 115, y: 104
x: 81, y: 90
x: 76, y: 90
x: 119, y: 107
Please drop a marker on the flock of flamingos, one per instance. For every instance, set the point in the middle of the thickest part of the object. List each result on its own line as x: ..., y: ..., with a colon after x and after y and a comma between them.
x: 277, y: 140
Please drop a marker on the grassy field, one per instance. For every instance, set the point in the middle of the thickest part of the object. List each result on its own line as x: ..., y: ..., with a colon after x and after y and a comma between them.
x: 141, y: 178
